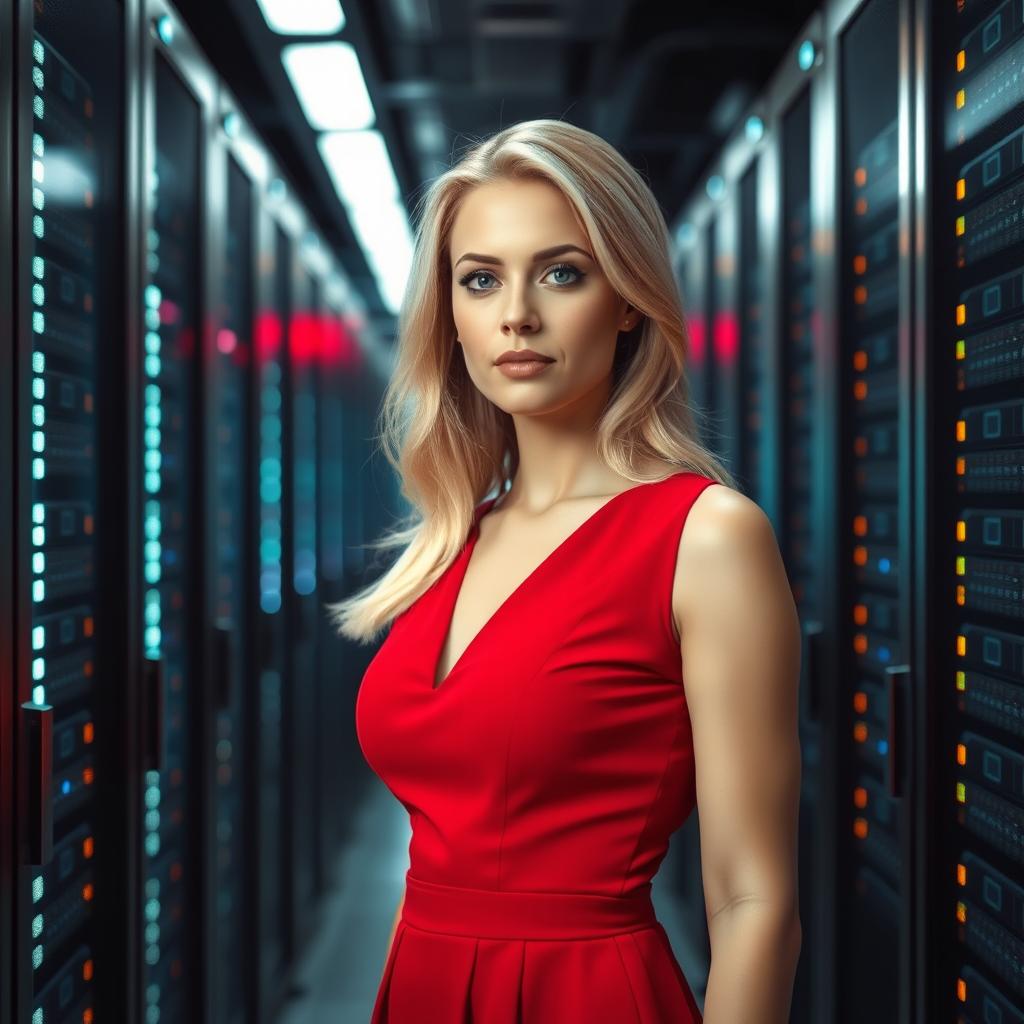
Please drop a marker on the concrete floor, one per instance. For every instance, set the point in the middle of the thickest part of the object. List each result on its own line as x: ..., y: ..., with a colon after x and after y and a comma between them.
x: 337, y: 981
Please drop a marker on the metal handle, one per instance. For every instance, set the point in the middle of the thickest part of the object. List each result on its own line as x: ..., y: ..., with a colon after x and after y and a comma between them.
x: 222, y: 630
x: 38, y: 722
x: 896, y: 677
x: 811, y: 657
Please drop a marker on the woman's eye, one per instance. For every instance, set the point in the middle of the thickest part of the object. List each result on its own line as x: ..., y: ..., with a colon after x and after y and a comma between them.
x: 557, y: 273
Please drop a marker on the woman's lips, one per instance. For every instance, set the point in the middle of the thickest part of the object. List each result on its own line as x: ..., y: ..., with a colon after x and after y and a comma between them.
x: 524, y: 368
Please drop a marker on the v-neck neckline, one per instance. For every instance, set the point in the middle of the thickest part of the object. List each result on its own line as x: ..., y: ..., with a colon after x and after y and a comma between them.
x: 461, y: 568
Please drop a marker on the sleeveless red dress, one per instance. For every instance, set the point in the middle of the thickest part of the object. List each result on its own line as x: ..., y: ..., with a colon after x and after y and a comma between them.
x: 543, y: 779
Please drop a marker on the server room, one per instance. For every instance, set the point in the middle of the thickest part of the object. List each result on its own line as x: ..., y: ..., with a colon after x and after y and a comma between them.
x: 397, y: 632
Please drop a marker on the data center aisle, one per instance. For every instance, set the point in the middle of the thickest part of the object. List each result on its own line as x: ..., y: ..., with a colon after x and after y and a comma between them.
x: 337, y: 981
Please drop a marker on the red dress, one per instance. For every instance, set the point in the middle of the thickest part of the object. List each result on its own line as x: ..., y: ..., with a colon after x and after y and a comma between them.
x: 543, y: 779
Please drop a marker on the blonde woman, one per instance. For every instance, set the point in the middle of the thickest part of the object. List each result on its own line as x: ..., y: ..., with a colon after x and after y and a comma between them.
x: 529, y: 706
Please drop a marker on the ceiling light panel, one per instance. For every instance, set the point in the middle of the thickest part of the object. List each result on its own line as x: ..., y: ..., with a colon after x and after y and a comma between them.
x: 303, y: 17
x: 359, y: 166
x: 328, y: 81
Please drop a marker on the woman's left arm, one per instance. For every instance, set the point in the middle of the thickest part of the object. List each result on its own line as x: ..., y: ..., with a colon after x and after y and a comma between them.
x: 740, y: 642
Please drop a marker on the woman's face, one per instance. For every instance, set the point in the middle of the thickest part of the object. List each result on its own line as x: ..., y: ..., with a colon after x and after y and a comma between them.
x: 505, y: 296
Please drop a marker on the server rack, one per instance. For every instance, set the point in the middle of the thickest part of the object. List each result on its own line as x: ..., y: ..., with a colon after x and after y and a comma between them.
x: 725, y: 331
x: 969, y: 332
x: 64, y: 757
x: 303, y: 597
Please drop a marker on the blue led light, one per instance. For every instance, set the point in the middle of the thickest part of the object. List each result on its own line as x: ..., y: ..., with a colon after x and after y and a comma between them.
x: 165, y: 29
x: 65, y: 787
x: 806, y: 54
x: 715, y: 186
x: 754, y: 128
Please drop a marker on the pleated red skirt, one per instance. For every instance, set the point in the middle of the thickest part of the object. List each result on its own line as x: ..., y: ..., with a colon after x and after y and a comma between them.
x: 530, y: 958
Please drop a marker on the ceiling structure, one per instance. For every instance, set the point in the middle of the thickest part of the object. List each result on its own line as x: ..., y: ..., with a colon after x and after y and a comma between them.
x: 664, y: 82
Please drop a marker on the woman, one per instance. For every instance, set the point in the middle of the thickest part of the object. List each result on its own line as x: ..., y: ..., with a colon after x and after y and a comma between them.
x: 529, y: 706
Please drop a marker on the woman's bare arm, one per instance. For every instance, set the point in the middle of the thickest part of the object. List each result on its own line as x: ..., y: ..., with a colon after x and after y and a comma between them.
x: 740, y: 640
x: 394, y: 928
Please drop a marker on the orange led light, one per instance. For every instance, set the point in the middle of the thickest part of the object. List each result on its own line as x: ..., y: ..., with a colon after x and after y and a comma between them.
x: 860, y: 732
x: 860, y: 359
x: 961, y: 60
x: 961, y: 874
x: 860, y: 828
x: 860, y: 207
x: 87, y: 970
x: 961, y: 430
x: 961, y: 314
x: 860, y: 294
x: 961, y: 911
x: 860, y: 643
x: 961, y: 595
x: 87, y: 776
x: 860, y: 264
x: 961, y: 530
x: 860, y: 390
x: 860, y: 525
x: 961, y: 188
x: 87, y: 892
x: 88, y: 731
x: 860, y: 176
x: 961, y: 466
x: 961, y: 753
x: 860, y: 555
x: 860, y: 702
x: 87, y: 626
x: 961, y: 990
x: 860, y: 614
x: 961, y: 645
x: 87, y: 847
x: 860, y: 797
x: 961, y: 98
x: 860, y: 446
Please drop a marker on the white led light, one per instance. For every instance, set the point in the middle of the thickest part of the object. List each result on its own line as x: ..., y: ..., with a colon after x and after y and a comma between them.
x: 359, y: 166
x: 329, y: 83
x: 303, y: 17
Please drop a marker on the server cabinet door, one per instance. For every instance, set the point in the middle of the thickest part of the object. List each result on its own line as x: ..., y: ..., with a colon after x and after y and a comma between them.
x: 228, y: 582
x: 874, y: 488
x: 974, y: 343
x: 725, y: 333
x: 304, y: 596
x: 752, y: 418
x: 69, y: 944
x: 172, y: 593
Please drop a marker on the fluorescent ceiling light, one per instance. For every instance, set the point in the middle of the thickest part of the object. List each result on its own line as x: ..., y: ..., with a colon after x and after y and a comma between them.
x: 303, y: 17
x: 329, y: 83
x: 359, y: 165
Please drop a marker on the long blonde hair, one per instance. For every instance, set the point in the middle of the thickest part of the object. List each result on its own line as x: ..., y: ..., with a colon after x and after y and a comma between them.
x: 451, y: 446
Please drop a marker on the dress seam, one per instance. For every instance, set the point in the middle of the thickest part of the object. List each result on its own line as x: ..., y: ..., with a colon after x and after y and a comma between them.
x: 653, y: 803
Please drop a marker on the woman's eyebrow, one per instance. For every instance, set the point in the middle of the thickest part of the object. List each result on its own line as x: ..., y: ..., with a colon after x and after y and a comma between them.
x: 544, y: 254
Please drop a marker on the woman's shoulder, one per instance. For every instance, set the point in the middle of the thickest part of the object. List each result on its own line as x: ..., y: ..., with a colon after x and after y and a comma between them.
x: 726, y: 535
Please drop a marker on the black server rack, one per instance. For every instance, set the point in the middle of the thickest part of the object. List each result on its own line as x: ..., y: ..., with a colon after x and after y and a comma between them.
x: 797, y: 311
x: 230, y: 582
x: 725, y: 332
x: 691, y: 272
x: 874, y: 488
x: 752, y: 411
x: 271, y: 628
x: 172, y: 536
x: 63, y: 787
x: 303, y: 591
x: 975, y: 638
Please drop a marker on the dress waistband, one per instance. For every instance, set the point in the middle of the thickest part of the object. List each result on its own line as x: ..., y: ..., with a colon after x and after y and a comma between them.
x: 490, y: 914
